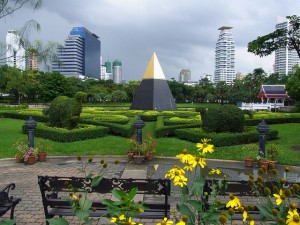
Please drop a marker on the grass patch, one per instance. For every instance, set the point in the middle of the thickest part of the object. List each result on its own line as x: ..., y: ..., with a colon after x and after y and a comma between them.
x: 10, y: 130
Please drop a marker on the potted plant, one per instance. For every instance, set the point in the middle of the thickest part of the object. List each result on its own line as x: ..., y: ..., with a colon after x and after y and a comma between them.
x: 249, y: 148
x: 30, y: 156
x: 149, y: 146
x: 139, y: 157
x: 262, y: 162
x: 249, y: 161
x: 133, y: 147
x: 43, y: 149
x: 272, y: 153
x: 22, y: 147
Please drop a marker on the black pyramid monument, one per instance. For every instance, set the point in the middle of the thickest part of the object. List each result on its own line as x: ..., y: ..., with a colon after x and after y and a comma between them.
x: 154, y: 92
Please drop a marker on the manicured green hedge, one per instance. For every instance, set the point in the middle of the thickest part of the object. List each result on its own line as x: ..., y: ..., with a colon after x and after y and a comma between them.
x: 162, y: 131
x: 24, y: 116
x: 179, y: 120
x: 255, y: 122
x: 64, y: 135
x: 124, y: 130
x: 224, y: 139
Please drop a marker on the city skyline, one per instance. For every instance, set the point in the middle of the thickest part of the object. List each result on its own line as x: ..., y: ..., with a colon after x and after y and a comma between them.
x: 183, y: 34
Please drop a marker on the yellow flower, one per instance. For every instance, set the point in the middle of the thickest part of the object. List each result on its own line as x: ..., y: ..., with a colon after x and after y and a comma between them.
x: 131, y: 222
x: 165, y: 221
x: 293, y: 218
x: 176, y: 171
x: 198, y: 161
x: 214, y: 171
x: 189, y: 167
x: 280, y: 197
x: 204, y: 147
x: 245, y: 215
x: 114, y: 219
x: 234, y: 202
x: 180, y: 180
x: 180, y: 223
x: 251, y: 222
x: 184, y: 157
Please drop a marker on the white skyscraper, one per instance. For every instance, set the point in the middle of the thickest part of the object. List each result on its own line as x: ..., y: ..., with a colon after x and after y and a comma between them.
x: 225, y: 57
x: 15, y: 52
x: 285, y: 59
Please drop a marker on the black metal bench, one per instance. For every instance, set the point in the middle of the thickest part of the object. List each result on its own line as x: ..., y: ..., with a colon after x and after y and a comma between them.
x: 240, y: 189
x: 8, y: 202
x: 54, y: 192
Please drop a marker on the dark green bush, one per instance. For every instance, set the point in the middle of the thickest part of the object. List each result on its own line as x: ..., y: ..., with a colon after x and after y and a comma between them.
x: 227, y: 118
x: 224, y: 139
x: 162, y: 131
x: 124, y: 130
x: 64, y: 112
x: 84, y: 132
x: 23, y: 116
x: 255, y: 122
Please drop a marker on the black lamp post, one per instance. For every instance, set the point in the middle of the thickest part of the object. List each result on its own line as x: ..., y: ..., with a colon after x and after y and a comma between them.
x: 139, y: 124
x: 30, y: 124
x: 262, y: 129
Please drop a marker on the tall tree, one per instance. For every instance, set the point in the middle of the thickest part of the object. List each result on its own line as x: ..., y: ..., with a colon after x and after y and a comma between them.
x: 280, y: 38
x: 222, y: 91
x: 293, y: 84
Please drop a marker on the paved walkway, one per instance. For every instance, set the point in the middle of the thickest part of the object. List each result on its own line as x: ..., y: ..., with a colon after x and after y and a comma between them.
x: 30, y: 210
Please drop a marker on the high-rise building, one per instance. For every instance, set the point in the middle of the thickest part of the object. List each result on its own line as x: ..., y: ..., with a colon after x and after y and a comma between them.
x: 225, y: 57
x: 80, y: 56
x: 32, y: 61
x: 117, y: 71
x: 15, y: 52
x: 108, y: 68
x: 185, y: 76
x: 285, y: 59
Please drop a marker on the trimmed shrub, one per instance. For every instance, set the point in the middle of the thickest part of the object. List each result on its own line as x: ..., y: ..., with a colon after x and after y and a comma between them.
x: 64, y: 112
x: 24, y: 116
x: 179, y: 121
x: 227, y: 118
x: 255, y: 122
x: 125, y: 130
x: 163, y: 131
x: 224, y: 139
x: 84, y: 132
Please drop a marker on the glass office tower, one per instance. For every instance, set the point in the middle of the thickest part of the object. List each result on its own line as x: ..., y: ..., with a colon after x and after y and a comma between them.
x: 81, y: 54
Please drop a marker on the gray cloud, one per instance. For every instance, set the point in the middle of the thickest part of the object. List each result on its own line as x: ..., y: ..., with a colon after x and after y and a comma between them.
x: 182, y: 33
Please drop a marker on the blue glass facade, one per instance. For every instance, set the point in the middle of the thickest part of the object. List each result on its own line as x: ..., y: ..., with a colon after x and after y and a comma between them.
x: 80, y: 61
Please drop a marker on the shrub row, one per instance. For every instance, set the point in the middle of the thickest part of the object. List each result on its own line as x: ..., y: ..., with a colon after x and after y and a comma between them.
x: 180, y: 121
x: 224, y: 139
x: 24, y: 116
x: 120, y: 119
x: 124, y: 130
x: 255, y: 122
x: 163, y: 131
x: 63, y: 135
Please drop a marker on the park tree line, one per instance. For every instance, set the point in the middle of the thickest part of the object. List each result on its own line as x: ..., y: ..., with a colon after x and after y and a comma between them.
x: 31, y: 86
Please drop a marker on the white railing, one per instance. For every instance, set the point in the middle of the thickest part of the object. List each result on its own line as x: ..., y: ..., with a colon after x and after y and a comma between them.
x: 260, y: 106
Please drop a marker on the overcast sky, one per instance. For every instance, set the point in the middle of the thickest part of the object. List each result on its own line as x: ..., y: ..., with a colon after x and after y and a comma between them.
x: 182, y: 33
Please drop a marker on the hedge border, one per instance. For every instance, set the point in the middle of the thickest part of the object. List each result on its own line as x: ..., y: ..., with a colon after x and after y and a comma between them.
x: 255, y: 122
x: 224, y: 139
x: 64, y: 135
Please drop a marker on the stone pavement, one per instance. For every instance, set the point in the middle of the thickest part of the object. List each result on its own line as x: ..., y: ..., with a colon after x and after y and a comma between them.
x: 30, y: 209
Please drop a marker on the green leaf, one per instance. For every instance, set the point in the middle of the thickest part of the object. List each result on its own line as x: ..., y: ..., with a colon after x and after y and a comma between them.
x: 185, y: 210
x: 185, y: 190
x: 57, y: 221
x: 118, y: 194
x: 85, y: 203
x: 132, y: 193
x: 89, y: 221
x: 80, y: 170
x: 82, y: 214
x: 108, y: 202
x: 196, y: 204
x: 264, y: 212
x: 90, y: 175
x: 197, y: 187
x: 96, y: 180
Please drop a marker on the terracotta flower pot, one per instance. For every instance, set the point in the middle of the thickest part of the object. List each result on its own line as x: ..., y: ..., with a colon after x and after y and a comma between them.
x: 150, y: 155
x: 264, y: 164
x: 249, y: 161
x: 31, y: 160
x: 19, y: 158
x: 42, y: 156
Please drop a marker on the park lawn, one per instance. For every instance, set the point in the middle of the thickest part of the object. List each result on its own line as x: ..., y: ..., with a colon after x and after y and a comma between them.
x: 10, y: 132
